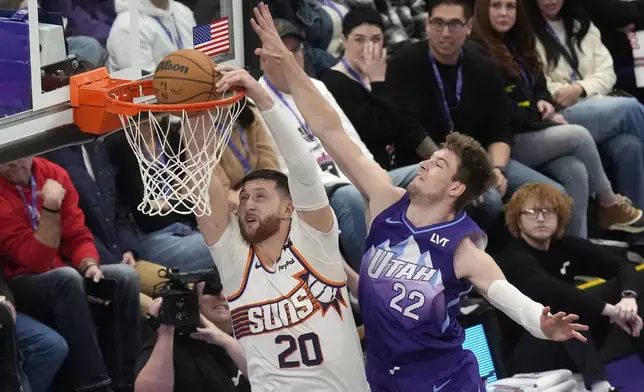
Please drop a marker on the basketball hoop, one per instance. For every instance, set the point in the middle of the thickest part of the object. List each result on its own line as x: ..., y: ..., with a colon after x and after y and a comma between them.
x: 176, y: 157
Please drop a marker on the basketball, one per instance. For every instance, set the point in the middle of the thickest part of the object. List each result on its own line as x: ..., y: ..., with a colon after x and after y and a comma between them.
x: 186, y: 76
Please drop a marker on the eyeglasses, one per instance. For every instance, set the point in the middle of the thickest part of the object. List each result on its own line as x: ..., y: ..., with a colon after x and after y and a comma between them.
x: 454, y: 25
x: 533, y: 214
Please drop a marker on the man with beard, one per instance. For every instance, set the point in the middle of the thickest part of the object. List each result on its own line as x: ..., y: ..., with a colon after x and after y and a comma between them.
x: 281, y: 268
x: 423, y: 252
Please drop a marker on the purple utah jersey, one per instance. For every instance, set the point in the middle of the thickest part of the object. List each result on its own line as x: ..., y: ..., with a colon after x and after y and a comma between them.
x: 409, y: 293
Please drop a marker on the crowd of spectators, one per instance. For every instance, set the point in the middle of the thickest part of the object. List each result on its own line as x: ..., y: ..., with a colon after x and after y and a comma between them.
x: 531, y: 80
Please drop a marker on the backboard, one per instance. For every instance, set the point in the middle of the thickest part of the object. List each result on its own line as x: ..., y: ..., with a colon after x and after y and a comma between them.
x: 35, y: 116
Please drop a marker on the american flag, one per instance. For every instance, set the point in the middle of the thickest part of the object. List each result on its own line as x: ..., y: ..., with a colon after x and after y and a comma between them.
x: 212, y: 38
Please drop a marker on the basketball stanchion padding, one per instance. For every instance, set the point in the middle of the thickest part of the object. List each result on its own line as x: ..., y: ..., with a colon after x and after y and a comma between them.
x: 177, y: 125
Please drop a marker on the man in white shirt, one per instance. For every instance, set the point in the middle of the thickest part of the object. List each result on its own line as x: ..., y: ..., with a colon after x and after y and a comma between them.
x: 165, y: 25
x: 346, y: 201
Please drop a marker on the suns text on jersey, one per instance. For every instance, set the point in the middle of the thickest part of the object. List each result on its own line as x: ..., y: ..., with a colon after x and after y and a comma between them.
x: 384, y: 264
x: 307, y: 298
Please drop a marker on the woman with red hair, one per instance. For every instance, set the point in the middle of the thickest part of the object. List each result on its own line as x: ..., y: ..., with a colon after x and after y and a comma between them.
x: 543, y: 139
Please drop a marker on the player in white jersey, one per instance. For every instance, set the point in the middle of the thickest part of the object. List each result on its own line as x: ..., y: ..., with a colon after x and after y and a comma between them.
x: 281, y: 267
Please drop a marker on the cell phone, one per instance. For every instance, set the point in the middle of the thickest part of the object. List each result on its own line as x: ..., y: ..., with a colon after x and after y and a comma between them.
x: 104, y: 289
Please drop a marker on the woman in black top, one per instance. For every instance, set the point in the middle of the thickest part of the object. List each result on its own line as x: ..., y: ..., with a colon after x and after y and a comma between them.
x: 543, y: 264
x: 543, y: 139
x: 357, y: 82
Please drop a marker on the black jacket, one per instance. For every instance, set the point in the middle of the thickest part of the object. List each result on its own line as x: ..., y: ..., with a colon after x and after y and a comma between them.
x: 483, y: 112
x: 373, y: 115
x: 523, y: 93
x: 548, y: 276
x: 106, y: 214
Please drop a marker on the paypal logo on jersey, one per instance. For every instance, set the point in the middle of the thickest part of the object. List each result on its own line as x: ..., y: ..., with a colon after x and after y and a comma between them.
x: 401, y: 262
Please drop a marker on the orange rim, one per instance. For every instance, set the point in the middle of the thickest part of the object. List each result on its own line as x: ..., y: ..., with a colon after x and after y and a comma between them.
x: 119, y: 100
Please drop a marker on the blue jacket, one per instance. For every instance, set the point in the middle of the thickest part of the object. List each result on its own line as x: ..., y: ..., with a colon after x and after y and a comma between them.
x: 107, y: 218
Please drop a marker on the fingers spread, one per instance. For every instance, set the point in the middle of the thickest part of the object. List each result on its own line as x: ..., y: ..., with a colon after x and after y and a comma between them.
x: 571, y: 317
x: 559, y: 316
x: 579, y: 327
x: 545, y: 310
x: 579, y: 336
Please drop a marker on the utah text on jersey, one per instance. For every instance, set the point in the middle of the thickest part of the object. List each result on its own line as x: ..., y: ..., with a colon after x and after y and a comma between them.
x: 311, y: 294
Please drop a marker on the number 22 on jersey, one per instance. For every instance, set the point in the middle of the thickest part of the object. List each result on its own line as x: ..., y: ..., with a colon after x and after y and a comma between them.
x: 416, y: 297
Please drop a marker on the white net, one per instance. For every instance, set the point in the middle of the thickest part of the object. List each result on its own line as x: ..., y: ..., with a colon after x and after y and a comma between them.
x: 177, y: 156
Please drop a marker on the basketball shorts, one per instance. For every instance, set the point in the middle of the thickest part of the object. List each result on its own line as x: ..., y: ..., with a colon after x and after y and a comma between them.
x: 461, y: 375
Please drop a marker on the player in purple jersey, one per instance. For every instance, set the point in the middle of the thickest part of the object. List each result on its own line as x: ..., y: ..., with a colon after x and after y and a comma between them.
x: 423, y: 253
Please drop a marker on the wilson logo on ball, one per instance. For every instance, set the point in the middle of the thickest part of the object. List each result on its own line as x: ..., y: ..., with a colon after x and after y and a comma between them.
x: 167, y: 65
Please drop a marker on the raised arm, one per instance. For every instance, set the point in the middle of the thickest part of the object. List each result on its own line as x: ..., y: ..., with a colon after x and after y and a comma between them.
x: 372, y: 181
x: 479, y: 268
x: 214, y: 225
x: 307, y: 191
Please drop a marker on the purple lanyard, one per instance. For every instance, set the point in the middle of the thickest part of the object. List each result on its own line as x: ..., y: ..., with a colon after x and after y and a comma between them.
x: 241, y: 157
x: 32, y: 210
x: 530, y: 81
x: 178, y: 42
x: 441, y: 87
x: 334, y: 7
x: 303, y: 127
x: 574, y: 76
x: 353, y: 72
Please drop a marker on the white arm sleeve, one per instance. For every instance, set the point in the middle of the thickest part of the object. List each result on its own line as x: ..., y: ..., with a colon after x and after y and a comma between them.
x: 304, y: 181
x: 524, y: 311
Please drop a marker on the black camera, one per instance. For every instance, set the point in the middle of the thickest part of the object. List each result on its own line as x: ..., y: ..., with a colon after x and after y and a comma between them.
x: 180, y: 302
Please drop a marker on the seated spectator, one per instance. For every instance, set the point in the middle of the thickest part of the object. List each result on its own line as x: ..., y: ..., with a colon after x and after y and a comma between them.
x: 172, y: 362
x: 30, y: 352
x: 345, y: 199
x: 580, y: 76
x: 165, y: 26
x: 49, y: 257
x: 440, y: 87
x: 543, y: 263
x: 543, y: 139
x: 171, y: 240
x: 106, y: 216
x: 250, y: 147
x: 357, y: 83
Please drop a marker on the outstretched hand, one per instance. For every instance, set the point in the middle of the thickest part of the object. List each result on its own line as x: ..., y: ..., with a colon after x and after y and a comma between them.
x: 235, y: 77
x: 560, y: 327
x: 273, y: 49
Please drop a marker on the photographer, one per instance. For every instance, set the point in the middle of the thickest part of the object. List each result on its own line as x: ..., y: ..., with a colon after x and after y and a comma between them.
x: 177, y: 362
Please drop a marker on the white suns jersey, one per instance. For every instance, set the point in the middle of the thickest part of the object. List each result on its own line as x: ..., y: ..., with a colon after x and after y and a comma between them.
x: 294, y: 321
